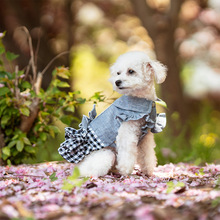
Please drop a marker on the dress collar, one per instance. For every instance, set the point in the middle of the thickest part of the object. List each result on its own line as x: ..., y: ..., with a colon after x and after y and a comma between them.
x: 134, y: 104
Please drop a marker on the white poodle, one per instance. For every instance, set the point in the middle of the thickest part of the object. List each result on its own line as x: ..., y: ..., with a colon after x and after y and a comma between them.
x: 122, y: 135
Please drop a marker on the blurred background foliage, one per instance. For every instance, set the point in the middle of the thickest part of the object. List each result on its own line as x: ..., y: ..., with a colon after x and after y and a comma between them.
x: 182, y: 34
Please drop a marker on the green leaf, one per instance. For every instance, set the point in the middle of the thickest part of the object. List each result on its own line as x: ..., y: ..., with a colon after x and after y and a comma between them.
x: 20, y: 145
x: 81, y: 100
x: 53, y: 130
x: 53, y: 177
x: 8, y: 162
x: 3, y: 75
x: 30, y: 149
x: 12, y: 143
x: 2, y: 49
x: 14, y: 152
x: 63, y: 72
x: 201, y: 171
x: 161, y: 103
x: 51, y: 101
x: 75, y: 174
x: 80, y: 182
x: 66, y: 119
x: 11, y: 56
x: 5, y: 119
x: 4, y: 90
x: 216, y: 202
x: 4, y: 156
x: 2, y: 108
x: 27, y: 103
x: 45, y: 113
x: 171, y: 186
x: 8, y: 131
x: 26, y: 85
x: 15, y: 137
x: 13, y: 111
x: 25, y: 111
x: 26, y: 141
x: 180, y: 184
x: 43, y: 136
x: 98, y: 97
x: 67, y: 186
x: 72, y: 94
x: 37, y: 127
x: 54, y: 72
x: 55, y: 82
x: 52, y: 134
x: 73, y: 180
x: 218, y: 182
x: 70, y: 108
x: 6, y: 151
x: 198, y: 161
x: 63, y: 84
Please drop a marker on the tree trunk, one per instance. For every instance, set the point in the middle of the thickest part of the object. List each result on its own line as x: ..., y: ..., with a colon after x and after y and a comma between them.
x: 28, y: 13
x: 28, y: 122
x: 161, y: 28
x: 171, y: 89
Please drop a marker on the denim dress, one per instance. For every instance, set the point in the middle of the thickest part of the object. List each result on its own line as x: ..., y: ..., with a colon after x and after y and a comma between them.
x: 98, y: 132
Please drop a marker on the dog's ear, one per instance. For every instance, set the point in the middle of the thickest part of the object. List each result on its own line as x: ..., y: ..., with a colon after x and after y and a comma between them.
x: 159, y: 70
x: 112, y: 69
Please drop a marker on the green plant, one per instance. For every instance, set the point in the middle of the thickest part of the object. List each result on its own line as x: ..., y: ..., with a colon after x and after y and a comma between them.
x: 73, y: 180
x: 26, y: 110
x: 172, y: 187
x: 202, y: 143
x: 217, y: 183
x: 53, y: 177
x: 216, y: 202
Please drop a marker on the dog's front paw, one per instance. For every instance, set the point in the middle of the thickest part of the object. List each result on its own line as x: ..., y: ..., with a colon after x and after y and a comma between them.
x: 148, y: 169
x: 124, y: 170
x: 148, y: 172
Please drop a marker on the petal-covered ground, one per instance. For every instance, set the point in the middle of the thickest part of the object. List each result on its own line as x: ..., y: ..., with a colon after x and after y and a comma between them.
x: 179, y: 191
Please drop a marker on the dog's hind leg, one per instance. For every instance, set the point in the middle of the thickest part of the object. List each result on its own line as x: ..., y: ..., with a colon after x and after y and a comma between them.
x: 97, y: 163
x: 146, y: 154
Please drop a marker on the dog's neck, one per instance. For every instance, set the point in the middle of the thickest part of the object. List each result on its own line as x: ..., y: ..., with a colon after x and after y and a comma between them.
x: 147, y: 93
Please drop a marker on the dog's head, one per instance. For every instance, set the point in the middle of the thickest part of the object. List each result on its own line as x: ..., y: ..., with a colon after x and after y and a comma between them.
x: 135, y: 71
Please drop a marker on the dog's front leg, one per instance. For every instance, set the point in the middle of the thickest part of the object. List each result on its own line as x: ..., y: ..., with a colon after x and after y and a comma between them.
x: 126, y: 143
x: 146, y: 154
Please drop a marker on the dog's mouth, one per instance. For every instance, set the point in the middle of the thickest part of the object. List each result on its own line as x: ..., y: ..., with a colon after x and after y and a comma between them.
x: 122, y: 87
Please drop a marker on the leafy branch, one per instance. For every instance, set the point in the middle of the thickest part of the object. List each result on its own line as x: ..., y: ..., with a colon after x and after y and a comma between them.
x: 26, y: 110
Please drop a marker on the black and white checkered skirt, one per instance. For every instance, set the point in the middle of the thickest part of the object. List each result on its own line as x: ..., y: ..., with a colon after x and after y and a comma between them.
x: 78, y: 144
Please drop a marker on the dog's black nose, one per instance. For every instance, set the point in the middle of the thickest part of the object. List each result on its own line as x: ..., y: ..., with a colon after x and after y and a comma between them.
x: 118, y: 82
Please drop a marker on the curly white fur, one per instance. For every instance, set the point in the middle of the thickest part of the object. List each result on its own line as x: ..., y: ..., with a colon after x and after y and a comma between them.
x: 134, y: 73
x: 98, y: 163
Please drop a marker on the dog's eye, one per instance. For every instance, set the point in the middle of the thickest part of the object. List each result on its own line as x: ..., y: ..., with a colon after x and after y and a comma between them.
x: 131, y: 71
x: 118, y: 73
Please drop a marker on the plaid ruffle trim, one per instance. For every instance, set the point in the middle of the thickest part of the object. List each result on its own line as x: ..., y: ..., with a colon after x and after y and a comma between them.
x: 79, y: 143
